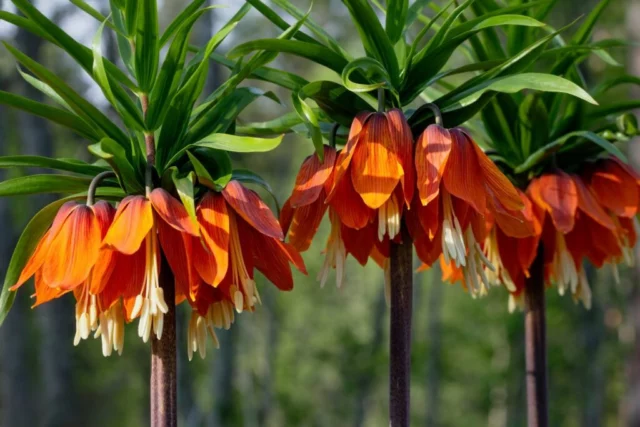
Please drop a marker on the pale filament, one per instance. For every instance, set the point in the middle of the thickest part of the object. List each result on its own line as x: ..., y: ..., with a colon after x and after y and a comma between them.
x: 564, y: 267
x: 335, y: 253
x: 243, y: 290
x: 220, y: 315
x: 389, y: 218
x: 453, y: 246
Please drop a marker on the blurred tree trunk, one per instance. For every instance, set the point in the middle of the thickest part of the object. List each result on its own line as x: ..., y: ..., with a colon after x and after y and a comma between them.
x: 594, y: 382
x: 516, y: 409
x: 434, y: 357
x: 15, y: 377
x: 55, y: 318
x: 366, y: 382
x: 631, y: 405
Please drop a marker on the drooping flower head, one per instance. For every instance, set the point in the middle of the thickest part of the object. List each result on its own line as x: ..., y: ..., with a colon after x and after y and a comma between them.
x: 459, y: 188
x: 70, y: 257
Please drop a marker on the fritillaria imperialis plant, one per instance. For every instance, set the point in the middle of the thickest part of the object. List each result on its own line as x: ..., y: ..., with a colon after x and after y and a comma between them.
x: 405, y: 174
x: 166, y: 219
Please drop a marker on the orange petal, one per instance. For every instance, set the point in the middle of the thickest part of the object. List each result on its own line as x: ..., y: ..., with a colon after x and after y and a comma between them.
x: 462, y: 175
x: 428, y: 250
x: 515, y: 223
x: 305, y: 222
x: 215, y: 228
x: 346, y: 154
x: 272, y: 257
x: 349, y: 206
x: 177, y: 248
x: 497, y: 182
x: 589, y: 205
x: 205, y: 263
x: 127, y: 279
x: 102, y: 271
x: 74, y: 251
x: 430, y: 217
x: 172, y: 211
x: 35, y: 261
x: 132, y: 223
x: 432, y: 151
x: 403, y: 139
x: 312, y: 177
x: 557, y: 194
x: 615, y: 188
x: 45, y: 293
x: 376, y: 168
x: 104, y: 213
x: 359, y: 243
x: 252, y: 209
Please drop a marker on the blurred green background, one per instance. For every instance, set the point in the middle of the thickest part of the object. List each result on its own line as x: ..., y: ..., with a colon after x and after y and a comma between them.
x: 312, y: 357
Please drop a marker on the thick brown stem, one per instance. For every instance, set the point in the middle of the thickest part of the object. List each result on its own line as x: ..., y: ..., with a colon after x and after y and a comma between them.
x: 400, y: 330
x: 164, y: 397
x: 536, y: 346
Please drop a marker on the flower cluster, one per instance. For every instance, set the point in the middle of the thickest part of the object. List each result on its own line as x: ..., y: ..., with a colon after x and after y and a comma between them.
x: 114, y: 261
x: 574, y: 217
x: 443, y: 188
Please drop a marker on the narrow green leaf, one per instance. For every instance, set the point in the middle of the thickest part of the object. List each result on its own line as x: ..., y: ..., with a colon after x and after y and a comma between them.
x: 223, y: 114
x: 80, y: 53
x: 583, y: 33
x: 68, y: 165
x: 372, y: 69
x: 239, y: 144
x: 40, y: 184
x: 131, y: 11
x: 396, y: 17
x: 180, y: 20
x: 281, y: 78
x: 44, y: 88
x: 374, y: 38
x: 130, y: 178
x: 147, y: 51
x: 80, y: 106
x: 517, y: 82
x: 213, y: 167
x: 177, y: 117
x: 316, y: 53
x: 170, y: 73
x: 543, y: 153
x: 607, y: 84
x: 275, y: 18
x: 279, y: 126
x: 186, y: 192
x: 55, y: 115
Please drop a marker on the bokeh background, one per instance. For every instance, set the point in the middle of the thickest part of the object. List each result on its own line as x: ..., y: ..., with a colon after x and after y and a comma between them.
x: 311, y: 357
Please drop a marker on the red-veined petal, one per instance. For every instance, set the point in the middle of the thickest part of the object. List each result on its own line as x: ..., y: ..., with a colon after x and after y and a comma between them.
x: 557, y: 194
x: 462, y: 175
x: 213, y: 217
x: 312, y: 178
x: 172, y: 211
x: 248, y: 205
x: 403, y: 138
x: 432, y: 153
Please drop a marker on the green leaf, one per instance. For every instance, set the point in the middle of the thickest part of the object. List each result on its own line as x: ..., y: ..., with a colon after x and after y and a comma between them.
x: 517, y: 82
x: 396, y: 17
x: 44, y: 88
x: 314, y: 52
x: 80, y: 106
x: 124, y: 45
x: 86, y: 8
x: 309, y: 118
x: 275, y: 18
x: 80, y: 53
x: 41, y: 184
x: 611, y: 109
x: 543, y: 153
x: 179, y: 21
x: 374, y: 38
x: 232, y: 143
x: 223, y: 114
x: 607, y: 84
x: 534, y: 127
x: 281, y: 78
x: 131, y: 117
x: 186, y: 192
x: 147, y: 50
x: 131, y: 10
x: 338, y: 103
x: 130, y: 179
x: 170, y: 73
x: 177, y: 117
x: 282, y: 124
x: 316, y: 29
x: 55, y: 115
x: 372, y: 69
x: 68, y: 165
x: 206, y: 162
x: 248, y: 177
x: 583, y: 33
